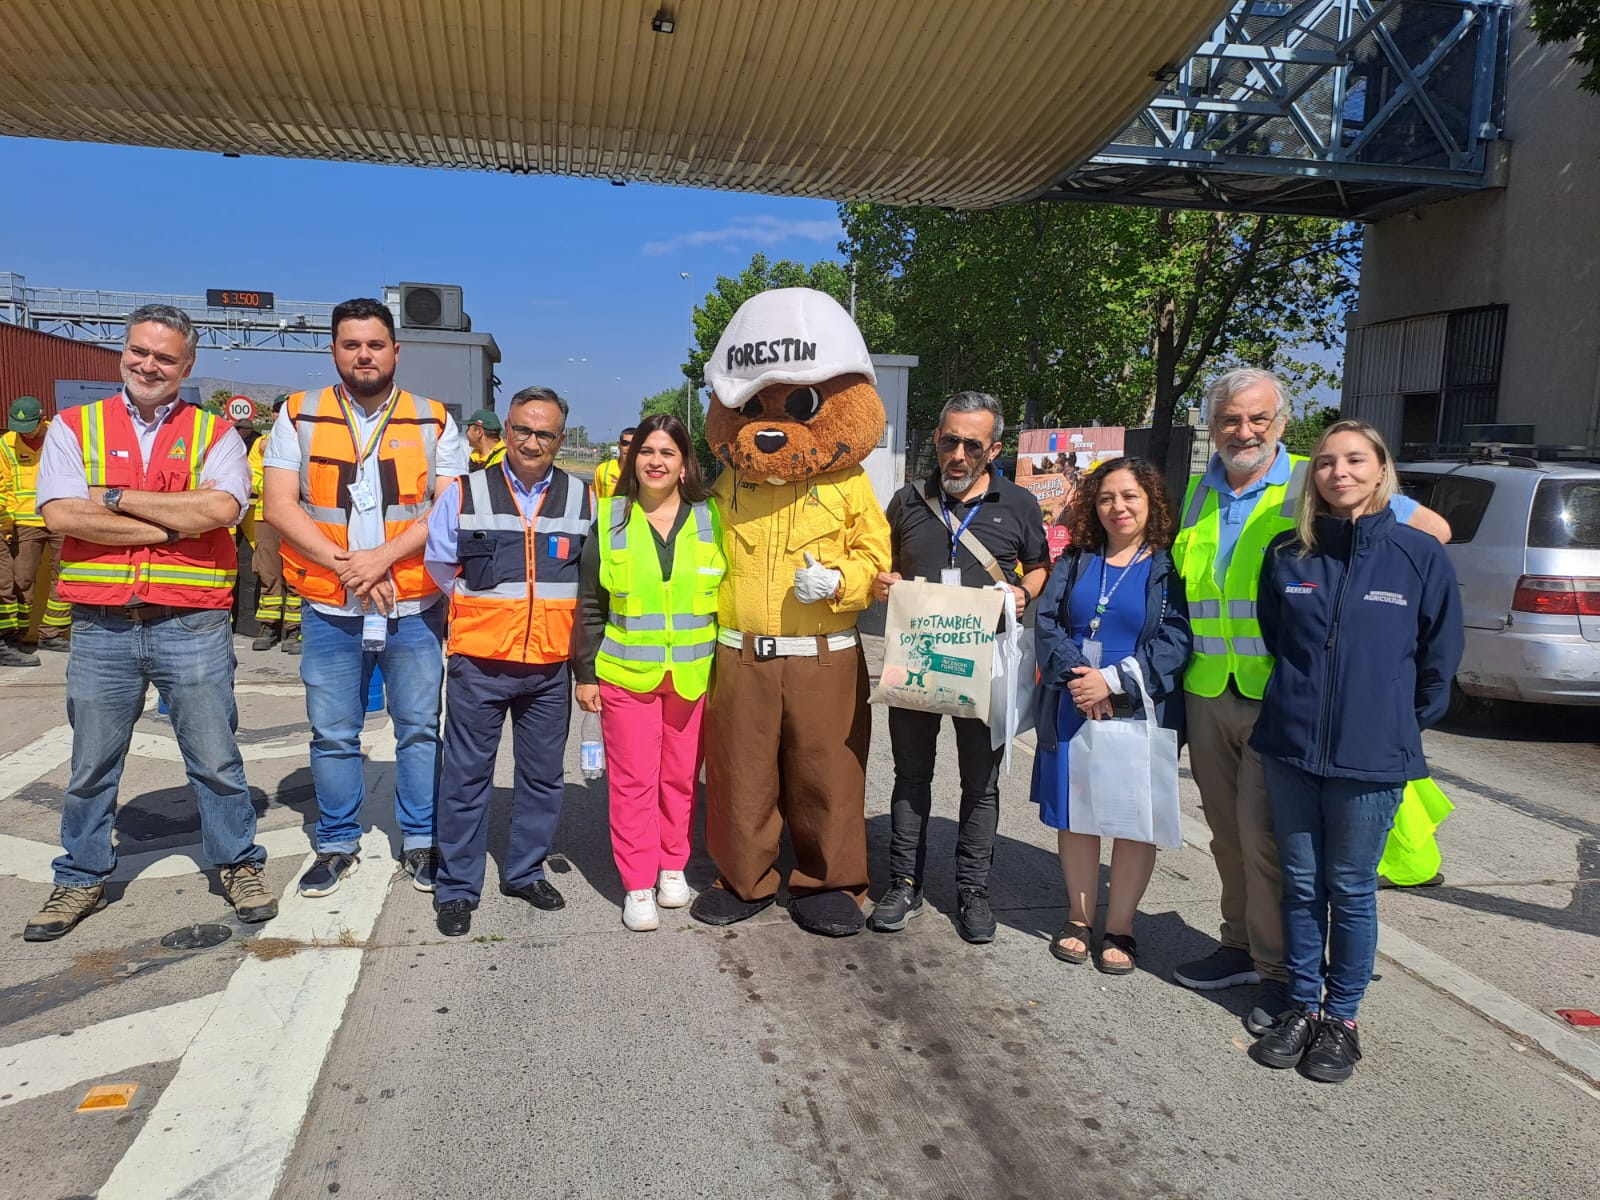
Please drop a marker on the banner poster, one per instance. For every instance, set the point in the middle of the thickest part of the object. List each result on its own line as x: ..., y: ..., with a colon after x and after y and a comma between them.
x: 1049, y: 463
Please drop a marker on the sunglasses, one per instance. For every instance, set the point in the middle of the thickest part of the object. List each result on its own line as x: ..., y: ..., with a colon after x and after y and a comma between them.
x: 521, y: 433
x: 973, y: 447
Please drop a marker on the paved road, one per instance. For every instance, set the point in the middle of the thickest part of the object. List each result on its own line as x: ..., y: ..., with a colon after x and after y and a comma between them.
x: 350, y: 1051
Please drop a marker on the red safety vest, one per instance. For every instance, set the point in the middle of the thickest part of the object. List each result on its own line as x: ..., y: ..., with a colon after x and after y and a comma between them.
x: 193, y: 572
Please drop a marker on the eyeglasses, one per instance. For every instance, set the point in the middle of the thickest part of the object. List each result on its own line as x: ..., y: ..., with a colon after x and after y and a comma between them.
x: 973, y: 447
x: 521, y: 433
x: 1258, y: 423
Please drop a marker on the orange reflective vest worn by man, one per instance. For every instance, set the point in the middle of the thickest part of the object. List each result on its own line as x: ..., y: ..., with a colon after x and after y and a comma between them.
x: 351, y: 472
x: 504, y: 542
x: 144, y: 487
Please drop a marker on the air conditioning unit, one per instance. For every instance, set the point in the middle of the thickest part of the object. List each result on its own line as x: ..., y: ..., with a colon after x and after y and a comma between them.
x: 431, y: 306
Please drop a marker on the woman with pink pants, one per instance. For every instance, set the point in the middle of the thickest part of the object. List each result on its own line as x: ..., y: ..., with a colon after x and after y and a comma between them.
x: 643, y: 644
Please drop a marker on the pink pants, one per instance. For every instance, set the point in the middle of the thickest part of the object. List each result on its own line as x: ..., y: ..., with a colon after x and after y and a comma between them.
x: 653, y: 755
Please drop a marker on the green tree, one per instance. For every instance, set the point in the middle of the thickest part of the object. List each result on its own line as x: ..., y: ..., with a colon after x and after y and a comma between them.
x: 577, y: 437
x: 1071, y: 313
x: 1302, y: 432
x: 1557, y: 21
x: 217, y: 402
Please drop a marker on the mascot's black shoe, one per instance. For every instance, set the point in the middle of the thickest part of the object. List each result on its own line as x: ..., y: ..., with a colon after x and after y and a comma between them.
x: 719, y: 906
x: 832, y: 914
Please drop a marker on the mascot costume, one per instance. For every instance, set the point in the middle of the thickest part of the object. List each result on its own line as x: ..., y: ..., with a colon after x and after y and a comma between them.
x: 793, y: 411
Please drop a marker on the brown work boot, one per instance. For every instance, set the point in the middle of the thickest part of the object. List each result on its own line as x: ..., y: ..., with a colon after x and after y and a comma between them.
x: 65, y: 908
x: 243, y: 886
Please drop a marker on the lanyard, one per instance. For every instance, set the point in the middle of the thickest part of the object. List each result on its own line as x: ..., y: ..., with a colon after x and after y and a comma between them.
x: 952, y: 528
x: 377, y: 433
x: 1105, y: 596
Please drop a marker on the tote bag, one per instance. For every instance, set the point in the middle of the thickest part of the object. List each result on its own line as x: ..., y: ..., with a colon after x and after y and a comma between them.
x: 1016, y: 680
x: 938, y: 648
x: 1122, y: 778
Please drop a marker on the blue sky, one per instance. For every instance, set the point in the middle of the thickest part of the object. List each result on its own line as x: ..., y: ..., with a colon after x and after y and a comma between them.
x: 554, y: 268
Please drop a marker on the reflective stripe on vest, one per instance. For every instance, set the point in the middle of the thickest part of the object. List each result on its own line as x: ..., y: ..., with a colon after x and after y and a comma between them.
x: 193, y: 572
x: 517, y: 592
x: 1227, y: 635
x: 654, y: 625
x: 328, y: 466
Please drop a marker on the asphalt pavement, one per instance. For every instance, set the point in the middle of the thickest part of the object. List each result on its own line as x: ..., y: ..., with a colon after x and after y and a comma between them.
x: 346, y: 1049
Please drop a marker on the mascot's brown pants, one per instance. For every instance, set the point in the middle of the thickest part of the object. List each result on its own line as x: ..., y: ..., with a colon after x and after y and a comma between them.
x: 786, y: 740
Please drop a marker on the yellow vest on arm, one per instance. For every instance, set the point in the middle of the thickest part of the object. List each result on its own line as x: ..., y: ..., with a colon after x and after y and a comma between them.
x: 658, y: 625
x: 606, y: 476
x: 1227, y: 635
x: 22, y: 461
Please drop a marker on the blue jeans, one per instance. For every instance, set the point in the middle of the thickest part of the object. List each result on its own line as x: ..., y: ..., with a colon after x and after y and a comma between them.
x: 1331, y: 834
x: 114, y: 660
x: 336, y: 672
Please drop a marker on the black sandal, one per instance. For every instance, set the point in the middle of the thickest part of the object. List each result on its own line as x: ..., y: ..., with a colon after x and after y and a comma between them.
x: 1077, y: 932
x: 1124, y: 943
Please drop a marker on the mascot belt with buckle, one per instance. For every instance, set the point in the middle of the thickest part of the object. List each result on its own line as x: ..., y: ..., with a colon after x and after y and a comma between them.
x: 794, y: 409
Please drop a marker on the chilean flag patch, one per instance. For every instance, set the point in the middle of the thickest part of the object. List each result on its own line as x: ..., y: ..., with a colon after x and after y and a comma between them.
x: 559, y: 546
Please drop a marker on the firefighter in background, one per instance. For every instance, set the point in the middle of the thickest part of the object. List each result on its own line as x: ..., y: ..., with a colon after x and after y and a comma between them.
x: 607, y: 474
x: 26, y: 538
x: 277, y: 608
x: 483, y: 435
x: 10, y: 654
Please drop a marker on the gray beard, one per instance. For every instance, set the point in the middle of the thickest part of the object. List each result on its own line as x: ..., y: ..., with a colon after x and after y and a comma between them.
x: 955, y: 487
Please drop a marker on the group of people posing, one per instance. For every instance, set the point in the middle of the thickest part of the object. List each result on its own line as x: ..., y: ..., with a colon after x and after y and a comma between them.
x: 1296, y: 619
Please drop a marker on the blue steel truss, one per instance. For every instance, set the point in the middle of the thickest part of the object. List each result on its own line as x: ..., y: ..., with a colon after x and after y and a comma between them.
x: 1340, y: 108
x: 94, y: 316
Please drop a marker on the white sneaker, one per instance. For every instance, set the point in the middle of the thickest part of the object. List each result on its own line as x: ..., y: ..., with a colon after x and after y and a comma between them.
x: 672, y: 890
x: 639, y: 911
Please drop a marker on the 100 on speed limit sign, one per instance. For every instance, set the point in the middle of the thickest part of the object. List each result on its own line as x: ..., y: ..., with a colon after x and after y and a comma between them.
x: 241, y: 408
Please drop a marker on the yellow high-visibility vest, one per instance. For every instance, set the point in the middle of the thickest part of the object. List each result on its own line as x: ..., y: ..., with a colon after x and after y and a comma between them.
x: 658, y: 625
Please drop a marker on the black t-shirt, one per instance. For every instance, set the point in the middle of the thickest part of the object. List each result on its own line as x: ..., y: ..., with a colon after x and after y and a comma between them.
x: 1008, y: 523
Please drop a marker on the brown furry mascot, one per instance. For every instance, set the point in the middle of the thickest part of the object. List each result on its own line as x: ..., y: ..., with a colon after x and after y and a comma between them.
x: 793, y: 412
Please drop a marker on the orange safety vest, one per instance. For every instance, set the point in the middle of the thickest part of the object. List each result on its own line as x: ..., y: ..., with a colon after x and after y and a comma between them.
x: 517, y: 593
x: 193, y: 572
x: 329, y: 461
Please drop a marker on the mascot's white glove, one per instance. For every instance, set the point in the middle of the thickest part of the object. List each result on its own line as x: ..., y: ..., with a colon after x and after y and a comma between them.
x: 814, y: 581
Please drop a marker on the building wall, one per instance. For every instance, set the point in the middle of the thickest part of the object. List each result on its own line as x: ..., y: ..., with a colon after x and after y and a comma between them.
x: 1533, y: 246
x: 31, y: 362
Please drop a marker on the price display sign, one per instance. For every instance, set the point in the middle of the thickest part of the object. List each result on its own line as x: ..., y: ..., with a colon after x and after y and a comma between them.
x: 225, y: 298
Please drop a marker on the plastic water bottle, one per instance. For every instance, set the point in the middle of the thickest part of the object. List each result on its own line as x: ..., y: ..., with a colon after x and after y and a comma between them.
x: 374, y: 631
x: 591, y: 750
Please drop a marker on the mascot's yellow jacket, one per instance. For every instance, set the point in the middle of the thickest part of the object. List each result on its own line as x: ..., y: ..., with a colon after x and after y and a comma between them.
x: 767, y: 529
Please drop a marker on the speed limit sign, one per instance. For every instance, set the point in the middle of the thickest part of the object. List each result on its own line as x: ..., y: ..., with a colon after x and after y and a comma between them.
x: 241, y: 408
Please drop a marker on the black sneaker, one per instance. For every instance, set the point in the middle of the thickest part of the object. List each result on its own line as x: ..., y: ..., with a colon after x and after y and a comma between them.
x: 1263, y: 1018
x: 324, y: 876
x: 422, y: 865
x: 291, y: 640
x: 14, y: 656
x: 266, y: 639
x: 899, y: 904
x: 1286, y: 1044
x: 1335, y: 1052
x: 1224, y: 967
x: 974, y: 917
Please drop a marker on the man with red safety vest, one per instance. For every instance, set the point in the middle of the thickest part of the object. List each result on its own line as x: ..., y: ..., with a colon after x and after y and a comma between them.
x: 144, y: 487
x: 351, y: 473
x: 504, y: 542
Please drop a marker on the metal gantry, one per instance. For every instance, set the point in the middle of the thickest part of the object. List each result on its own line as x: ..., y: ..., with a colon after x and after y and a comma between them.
x: 1344, y: 108
x: 101, y: 317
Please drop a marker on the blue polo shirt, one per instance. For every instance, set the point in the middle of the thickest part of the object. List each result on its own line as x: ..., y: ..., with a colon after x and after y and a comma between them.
x: 1233, y: 510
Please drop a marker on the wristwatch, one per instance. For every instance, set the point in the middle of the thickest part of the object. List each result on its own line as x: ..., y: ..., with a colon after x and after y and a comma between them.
x: 112, y: 498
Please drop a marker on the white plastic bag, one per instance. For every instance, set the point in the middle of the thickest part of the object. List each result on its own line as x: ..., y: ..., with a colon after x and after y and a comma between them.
x: 1123, y: 777
x: 1016, y: 680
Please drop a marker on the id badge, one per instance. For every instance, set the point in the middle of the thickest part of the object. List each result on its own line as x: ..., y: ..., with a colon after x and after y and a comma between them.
x: 951, y: 575
x: 1092, y: 651
x: 361, y: 496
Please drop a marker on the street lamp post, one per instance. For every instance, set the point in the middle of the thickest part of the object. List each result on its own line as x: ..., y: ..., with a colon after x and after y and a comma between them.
x: 688, y: 396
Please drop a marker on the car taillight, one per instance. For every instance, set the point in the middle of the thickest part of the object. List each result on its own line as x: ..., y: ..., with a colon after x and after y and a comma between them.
x: 1557, y: 597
